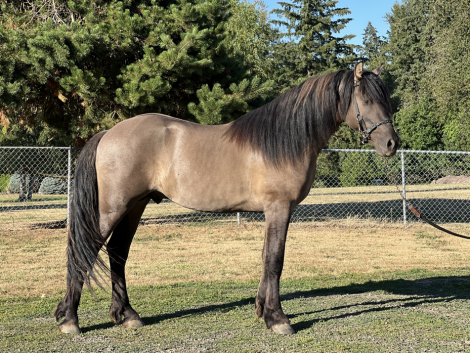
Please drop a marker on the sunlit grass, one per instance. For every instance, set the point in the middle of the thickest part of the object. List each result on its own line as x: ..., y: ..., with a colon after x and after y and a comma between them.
x: 356, y: 286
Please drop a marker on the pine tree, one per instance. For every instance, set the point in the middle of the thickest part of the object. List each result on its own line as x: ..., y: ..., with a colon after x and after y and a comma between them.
x: 408, y: 45
x: 69, y: 69
x: 313, y: 46
x: 373, y: 45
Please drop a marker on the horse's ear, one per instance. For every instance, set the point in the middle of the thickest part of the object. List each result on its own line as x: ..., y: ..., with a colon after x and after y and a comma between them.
x: 378, y: 71
x: 358, y: 72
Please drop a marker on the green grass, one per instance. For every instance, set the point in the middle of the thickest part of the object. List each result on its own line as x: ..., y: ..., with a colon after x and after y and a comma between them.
x: 4, y: 181
x: 415, y: 310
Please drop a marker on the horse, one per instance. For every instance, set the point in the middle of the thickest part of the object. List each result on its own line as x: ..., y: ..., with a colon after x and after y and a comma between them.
x: 264, y: 161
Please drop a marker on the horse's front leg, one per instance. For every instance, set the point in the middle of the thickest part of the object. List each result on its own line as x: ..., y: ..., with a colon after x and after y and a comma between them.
x: 268, y: 303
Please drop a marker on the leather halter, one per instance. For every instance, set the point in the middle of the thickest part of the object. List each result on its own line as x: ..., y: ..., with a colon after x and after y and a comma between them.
x: 365, y: 133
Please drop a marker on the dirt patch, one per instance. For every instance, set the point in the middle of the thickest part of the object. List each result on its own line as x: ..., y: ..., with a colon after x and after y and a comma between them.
x: 452, y: 179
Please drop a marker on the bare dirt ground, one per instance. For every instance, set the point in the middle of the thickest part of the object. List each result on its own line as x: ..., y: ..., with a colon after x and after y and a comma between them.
x: 33, y: 261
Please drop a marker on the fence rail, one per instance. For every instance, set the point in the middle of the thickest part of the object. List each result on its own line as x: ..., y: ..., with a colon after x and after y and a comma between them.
x: 36, y: 189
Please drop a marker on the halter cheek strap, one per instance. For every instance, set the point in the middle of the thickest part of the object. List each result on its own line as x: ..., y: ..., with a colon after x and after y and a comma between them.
x: 361, y: 119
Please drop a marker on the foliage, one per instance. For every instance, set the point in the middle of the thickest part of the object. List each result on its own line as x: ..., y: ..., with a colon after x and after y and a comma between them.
x: 428, y: 43
x: 252, y: 35
x: 408, y: 44
x: 14, y: 183
x: 345, y: 137
x: 217, y: 107
x: 375, y: 52
x: 425, y: 168
x: 69, y: 69
x: 4, y: 182
x: 419, y: 127
x: 308, y: 46
x: 448, y: 71
x: 67, y: 74
x: 373, y: 45
x: 360, y: 169
x: 41, y: 161
x: 52, y: 185
x: 328, y: 170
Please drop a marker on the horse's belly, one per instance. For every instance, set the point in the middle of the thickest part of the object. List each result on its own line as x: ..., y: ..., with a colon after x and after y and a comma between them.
x: 212, y: 195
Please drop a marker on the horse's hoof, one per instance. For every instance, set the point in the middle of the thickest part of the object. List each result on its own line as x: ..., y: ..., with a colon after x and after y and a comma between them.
x: 283, y: 329
x: 69, y: 328
x: 133, y: 323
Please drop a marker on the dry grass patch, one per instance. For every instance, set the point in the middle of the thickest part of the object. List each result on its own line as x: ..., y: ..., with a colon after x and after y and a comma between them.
x: 33, y: 262
x: 443, y: 199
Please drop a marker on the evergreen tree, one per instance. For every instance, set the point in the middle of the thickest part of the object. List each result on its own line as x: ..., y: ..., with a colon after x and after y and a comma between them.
x: 408, y: 45
x: 373, y: 46
x: 70, y: 69
x: 419, y: 126
x: 310, y: 46
x: 375, y: 52
x: 447, y: 77
x: 252, y: 34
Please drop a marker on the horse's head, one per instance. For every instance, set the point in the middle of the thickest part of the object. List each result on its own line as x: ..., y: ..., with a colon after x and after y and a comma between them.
x: 370, y: 111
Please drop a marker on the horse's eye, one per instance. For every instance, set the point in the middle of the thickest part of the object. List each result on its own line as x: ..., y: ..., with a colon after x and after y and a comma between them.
x: 366, y: 101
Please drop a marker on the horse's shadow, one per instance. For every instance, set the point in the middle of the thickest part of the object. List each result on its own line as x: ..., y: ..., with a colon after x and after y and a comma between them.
x: 420, y: 291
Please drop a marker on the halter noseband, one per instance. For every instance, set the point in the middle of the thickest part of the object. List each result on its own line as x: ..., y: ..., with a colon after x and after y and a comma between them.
x: 362, y: 121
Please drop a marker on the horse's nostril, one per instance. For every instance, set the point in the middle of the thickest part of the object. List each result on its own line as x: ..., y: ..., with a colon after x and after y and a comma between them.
x: 390, y: 144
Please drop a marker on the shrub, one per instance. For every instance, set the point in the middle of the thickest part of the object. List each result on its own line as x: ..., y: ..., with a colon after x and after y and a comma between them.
x: 328, y: 170
x: 4, y: 182
x: 14, y: 184
x: 360, y: 169
x: 53, y: 186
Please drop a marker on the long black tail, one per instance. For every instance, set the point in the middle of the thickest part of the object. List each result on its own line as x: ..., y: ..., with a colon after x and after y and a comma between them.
x: 84, y: 237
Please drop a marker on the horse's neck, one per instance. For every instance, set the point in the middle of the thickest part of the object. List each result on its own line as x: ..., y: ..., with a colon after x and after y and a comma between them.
x: 316, y: 148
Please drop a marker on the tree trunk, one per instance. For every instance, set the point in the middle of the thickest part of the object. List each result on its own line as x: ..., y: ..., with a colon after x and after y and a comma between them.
x: 32, y: 182
x: 22, y: 196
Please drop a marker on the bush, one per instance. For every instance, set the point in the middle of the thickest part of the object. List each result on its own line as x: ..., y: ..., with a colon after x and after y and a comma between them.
x: 360, y: 169
x: 4, y: 182
x: 53, y: 186
x: 328, y: 170
x: 14, y: 184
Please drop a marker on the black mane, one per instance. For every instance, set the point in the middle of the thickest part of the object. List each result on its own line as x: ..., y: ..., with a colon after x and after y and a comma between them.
x: 305, y: 116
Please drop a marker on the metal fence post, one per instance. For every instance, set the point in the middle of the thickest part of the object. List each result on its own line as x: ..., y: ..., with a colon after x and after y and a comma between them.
x: 69, y: 175
x: 403, y: 185
x: 238, y: 218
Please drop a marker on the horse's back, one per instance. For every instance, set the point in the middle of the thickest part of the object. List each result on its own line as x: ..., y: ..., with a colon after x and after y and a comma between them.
x: 191, y: 164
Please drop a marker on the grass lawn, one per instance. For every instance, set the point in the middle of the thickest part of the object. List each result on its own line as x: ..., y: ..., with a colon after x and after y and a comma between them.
x: 347, y: 287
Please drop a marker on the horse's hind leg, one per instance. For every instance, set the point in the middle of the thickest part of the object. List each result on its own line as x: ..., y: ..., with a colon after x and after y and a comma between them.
x: 77, y: 272
x: 118, y: 249
x: 67, y: 307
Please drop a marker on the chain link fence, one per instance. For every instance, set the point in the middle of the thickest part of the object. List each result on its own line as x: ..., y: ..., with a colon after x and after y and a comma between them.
x: 36, y: 189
